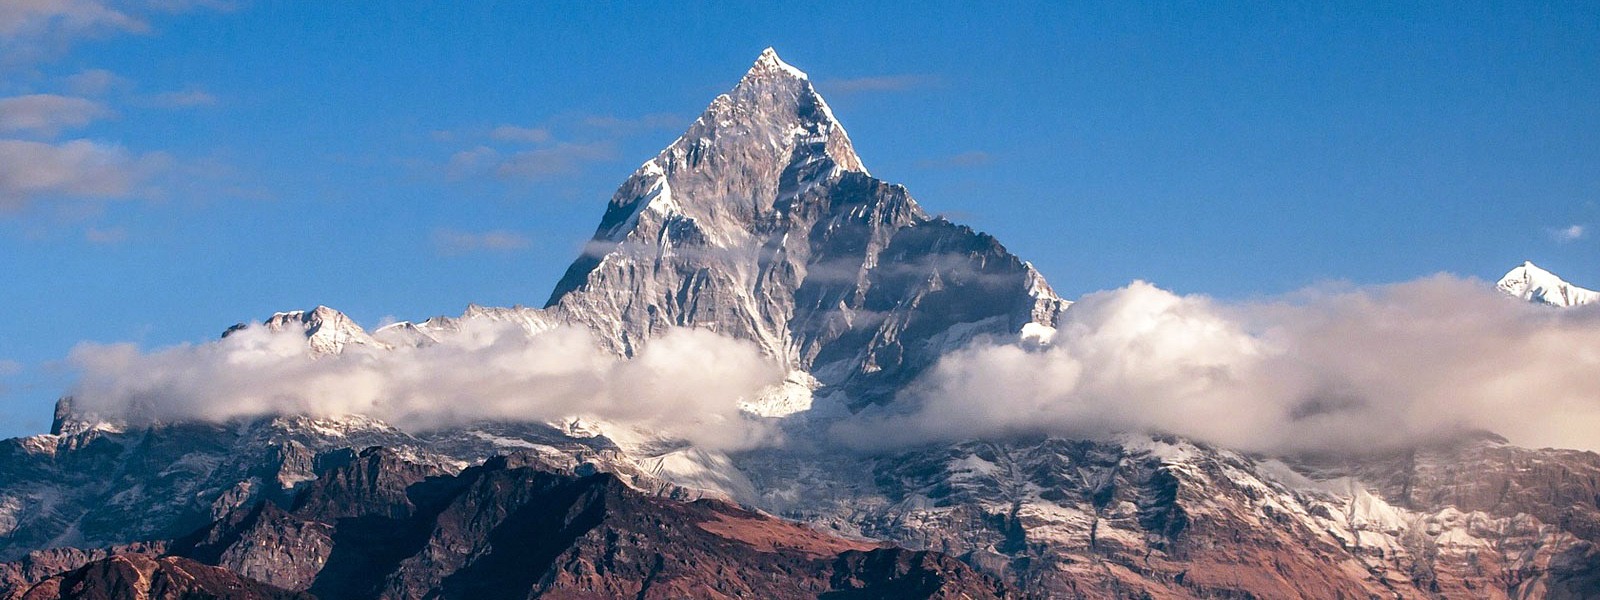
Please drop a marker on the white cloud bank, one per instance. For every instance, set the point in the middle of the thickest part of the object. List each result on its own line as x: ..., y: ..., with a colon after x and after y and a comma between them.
x: 1322, y: 370
x: 1344, y: 370
x: 687, y: 383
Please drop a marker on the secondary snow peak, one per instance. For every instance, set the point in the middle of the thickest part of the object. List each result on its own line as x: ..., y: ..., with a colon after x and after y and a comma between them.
x: 1532, y: 283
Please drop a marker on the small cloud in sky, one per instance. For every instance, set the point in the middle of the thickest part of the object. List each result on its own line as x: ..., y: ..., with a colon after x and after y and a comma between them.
x: 105, y: 237
x: 73, y: 171
x: 179, y: 6
x: 471, y: 162
x: 880, y: 83
x: 29, y: 26
x: 628, y: 126
x: 1570, y: 233
x: 528, y: 165
x: 183, y: 99
x: 513, y: 133
x: 964, y: 160
x: 454, y: 242
x: 9, y: 367
x: 559, y: 147
x: 47, y: 114
x: 96, y: 82
x: 35, y: 30
x: 560, y: 159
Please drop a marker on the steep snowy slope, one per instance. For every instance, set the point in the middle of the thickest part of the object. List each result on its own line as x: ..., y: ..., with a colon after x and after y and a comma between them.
x: 1529, y: 282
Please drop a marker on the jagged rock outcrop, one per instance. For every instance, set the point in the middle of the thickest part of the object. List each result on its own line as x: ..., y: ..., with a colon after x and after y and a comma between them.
x: 39, y: 565
x: 145, y: 577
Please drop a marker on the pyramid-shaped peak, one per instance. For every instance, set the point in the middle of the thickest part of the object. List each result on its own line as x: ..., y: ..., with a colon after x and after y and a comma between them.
x: 769, y: 64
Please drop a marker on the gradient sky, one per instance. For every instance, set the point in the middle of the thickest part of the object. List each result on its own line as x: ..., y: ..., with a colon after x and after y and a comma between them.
x: 171, y: 167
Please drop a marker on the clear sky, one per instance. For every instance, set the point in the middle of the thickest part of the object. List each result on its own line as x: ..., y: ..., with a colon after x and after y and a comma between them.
x: 171, y: 167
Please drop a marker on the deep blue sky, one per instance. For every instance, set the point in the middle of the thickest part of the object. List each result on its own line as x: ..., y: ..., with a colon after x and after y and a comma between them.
x: 403, y: 159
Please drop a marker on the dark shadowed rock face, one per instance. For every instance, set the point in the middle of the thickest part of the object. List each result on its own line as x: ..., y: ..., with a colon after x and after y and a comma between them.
x: 146, y: 577
x: 382, y: 527
x: 896, y: 573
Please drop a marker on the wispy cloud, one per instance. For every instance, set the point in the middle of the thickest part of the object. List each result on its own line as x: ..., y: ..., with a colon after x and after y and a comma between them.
x: 33, y: 30
x: 77, y: 170
x: 29, y: 28
x: 454, y: 242
x: 471, y: 162
x: 880, y: 83
x: 560, y: 159
x: 628, y: 126
x: 47, y: 114
x: 96, y: 82
x: 527, y: 165
x: 514, y: 133
x: 964, y: 160
x: 105, y: 237
x: 557, y: 148
x: 180, y: 6
x: 183, y: 99
x: 1570, y: 233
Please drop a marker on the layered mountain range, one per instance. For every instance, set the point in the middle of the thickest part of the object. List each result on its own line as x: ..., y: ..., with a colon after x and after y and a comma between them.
x: 762, y: 224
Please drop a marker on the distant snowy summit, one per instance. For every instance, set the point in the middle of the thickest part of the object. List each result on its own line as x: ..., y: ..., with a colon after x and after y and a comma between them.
x: 1531, y: 283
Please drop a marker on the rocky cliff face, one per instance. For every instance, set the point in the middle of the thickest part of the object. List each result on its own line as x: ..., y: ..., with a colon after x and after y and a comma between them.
x: 382, y: 526
x: 149, y: 577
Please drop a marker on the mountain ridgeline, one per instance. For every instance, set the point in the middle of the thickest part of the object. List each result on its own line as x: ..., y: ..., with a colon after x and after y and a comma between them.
x: 762, y: 224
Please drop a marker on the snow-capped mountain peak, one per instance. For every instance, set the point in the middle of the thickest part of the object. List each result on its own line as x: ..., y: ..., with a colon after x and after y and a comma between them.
x: 769, y: 63
x: 761, y: 223
x: 1529, y: 282
x: 327, y: 330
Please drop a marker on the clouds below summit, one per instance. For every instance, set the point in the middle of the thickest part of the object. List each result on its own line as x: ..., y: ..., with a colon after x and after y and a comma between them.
x: 1349, y: 369
x: 687, y: 383
x: 1343, y: 370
